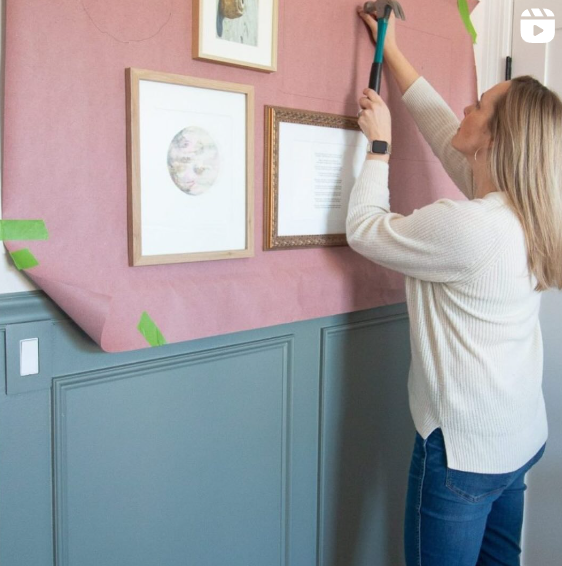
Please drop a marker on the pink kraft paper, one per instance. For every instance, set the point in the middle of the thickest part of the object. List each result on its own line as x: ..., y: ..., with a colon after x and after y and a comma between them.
x: 65, y: 158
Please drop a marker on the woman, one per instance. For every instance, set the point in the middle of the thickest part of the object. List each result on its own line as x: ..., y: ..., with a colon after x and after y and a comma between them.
x: 474, y: 271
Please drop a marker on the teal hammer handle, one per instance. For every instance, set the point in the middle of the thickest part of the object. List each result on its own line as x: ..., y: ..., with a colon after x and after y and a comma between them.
x: 381, y: 36
x: 376, y: 68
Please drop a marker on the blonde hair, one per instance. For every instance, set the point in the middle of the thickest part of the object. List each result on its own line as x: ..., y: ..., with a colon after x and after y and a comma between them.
x: 525, y: 161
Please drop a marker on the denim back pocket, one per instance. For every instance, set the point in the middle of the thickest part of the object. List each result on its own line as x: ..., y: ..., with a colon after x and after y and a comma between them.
x: 475, y: 487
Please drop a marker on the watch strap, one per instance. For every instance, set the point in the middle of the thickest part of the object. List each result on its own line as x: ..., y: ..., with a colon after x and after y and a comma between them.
x: 379, y: 147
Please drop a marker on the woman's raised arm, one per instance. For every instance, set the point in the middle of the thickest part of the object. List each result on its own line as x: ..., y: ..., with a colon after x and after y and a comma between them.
x: 434, y: 118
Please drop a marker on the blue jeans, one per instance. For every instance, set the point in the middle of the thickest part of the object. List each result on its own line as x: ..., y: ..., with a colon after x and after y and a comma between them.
x: 456, y: 518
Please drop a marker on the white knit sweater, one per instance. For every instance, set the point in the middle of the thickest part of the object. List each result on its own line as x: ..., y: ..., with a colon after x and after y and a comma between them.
x: 476, y: 369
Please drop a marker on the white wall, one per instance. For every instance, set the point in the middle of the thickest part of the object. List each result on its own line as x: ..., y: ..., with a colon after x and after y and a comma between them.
x: 11, y: 280
x: 543, y: 522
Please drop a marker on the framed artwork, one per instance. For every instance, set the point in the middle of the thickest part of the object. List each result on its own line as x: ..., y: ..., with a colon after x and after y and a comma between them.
x: 190, y: 153
x: 236, y: 32
x: 311, y: 162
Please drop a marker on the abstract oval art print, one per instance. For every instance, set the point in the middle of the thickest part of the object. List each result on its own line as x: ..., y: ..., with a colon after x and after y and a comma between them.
x: 193, y: 160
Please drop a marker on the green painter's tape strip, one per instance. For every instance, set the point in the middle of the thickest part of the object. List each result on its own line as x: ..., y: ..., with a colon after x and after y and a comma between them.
x: 24, y: 259
x: 12, y: 230
x: 465, y: 15
x: 150, y: 331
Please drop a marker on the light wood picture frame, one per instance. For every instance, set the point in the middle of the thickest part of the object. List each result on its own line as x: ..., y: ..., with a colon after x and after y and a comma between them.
x: 311, y: 162
x: 242, y: 33
x: 190, y: 148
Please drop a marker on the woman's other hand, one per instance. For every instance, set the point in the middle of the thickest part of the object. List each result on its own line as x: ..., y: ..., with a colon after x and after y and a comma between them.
x: 374, y: 119
x: 390, y: 44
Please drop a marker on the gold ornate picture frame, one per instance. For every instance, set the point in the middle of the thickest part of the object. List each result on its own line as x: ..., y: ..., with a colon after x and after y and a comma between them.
x: 329, y: 150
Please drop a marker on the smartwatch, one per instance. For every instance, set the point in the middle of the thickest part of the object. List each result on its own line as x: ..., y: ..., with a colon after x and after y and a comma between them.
x: 378, y: 146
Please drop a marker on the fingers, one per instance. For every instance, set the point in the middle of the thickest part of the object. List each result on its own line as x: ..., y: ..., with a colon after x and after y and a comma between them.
x: 367, y: 18
x: 364, y: 102
x: 373, y: 17
x: 367, y: 106
x: 370, y: 102
x: 372, y: 95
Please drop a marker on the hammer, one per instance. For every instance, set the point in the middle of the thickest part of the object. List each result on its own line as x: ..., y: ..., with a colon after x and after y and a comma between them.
x: 382, y: 9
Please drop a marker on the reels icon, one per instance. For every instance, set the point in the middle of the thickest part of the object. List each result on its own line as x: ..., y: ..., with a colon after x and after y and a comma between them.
x: 538, y: 26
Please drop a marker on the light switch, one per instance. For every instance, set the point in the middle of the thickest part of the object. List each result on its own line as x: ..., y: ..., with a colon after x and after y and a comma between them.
x: 29, y: 352
x: 29, y: 356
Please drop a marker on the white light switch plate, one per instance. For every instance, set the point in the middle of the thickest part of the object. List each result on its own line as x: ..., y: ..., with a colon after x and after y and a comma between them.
x: 29, y: 356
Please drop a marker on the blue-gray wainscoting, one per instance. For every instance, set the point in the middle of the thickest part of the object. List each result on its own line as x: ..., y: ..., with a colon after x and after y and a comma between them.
x: 284, y: 446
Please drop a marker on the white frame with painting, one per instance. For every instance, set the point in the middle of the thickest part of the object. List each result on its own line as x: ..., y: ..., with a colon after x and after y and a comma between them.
x: 223, y: 39
x: 190, y: 168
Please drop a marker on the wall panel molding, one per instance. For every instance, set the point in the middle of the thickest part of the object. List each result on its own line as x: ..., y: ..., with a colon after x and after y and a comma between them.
x: 167, y: 370
x: 358, y: 366
x: 32, y: 306
x: 262, y: 411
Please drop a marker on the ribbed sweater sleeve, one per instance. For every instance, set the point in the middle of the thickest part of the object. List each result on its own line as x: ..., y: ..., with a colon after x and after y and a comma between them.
x: 439, y: 242
x: 436, y: 243
x: 438, y: 124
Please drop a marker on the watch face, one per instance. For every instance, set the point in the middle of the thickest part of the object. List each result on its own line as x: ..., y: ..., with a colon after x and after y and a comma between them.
x: 379, y: 146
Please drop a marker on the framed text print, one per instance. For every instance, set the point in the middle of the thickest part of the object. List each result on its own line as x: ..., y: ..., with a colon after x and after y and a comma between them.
x: 190, y: 167
x: 236, y: 32
x: 311, y: 162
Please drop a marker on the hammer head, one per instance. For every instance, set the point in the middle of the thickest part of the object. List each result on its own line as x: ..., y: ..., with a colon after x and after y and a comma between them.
x: 379, y: 6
